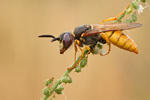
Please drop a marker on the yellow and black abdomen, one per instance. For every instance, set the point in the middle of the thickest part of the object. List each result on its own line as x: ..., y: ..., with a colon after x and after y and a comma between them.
x: 122, y: 41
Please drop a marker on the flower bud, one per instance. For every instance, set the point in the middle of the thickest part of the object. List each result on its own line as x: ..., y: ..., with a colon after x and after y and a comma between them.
x: 59, y: 89
x: 100, y: 46
x: 70, y: 79
x: 65, y: 79
x: 129, y: 10
x: 143, y: 1
x: 58, y: 92
x: 45, y: 91
x: 128, y: 20
x: 95, y: 51
x: 135, y: 5
x: 78, y: 69
x: 134, y: 17
x: 49, y: 81
x: 83, y: 62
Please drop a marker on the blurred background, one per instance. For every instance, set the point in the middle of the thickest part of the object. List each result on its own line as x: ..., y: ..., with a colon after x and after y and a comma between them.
x: 26, y: 61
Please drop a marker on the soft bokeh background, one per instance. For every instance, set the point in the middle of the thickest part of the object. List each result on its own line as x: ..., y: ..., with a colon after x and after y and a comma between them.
x: 27, y: 61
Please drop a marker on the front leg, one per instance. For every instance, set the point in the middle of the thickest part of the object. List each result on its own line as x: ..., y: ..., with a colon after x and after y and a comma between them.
x: 82, y: 55
x: 76, y: 43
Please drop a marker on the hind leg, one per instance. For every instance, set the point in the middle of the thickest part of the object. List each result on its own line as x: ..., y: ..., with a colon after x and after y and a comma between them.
x: 104, y: 36
x: 115, y: 18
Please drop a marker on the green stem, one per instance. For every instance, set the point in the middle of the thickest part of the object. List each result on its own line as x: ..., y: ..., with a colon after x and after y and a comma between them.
x: 45, y: 97
x: 59, y: 81
x: 119, y: 19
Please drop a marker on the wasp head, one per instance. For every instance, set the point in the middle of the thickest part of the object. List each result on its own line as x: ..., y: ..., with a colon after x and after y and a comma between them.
x: 65, y: 40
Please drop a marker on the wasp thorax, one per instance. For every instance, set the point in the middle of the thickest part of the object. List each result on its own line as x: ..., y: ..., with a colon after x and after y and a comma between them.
x: 81, y: 29
x: 66, y: 40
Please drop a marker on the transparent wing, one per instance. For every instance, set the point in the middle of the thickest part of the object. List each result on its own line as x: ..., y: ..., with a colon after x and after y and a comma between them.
x: 98, y: 28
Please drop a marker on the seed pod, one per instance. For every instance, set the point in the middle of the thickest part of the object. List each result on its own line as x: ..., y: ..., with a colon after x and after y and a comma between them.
x: 49, y: 81
x: 45, y: 91
x: 83, y: 62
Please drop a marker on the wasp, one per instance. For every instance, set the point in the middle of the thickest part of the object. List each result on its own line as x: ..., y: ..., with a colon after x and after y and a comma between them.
x: 91, y: 35
x: 94, y: 33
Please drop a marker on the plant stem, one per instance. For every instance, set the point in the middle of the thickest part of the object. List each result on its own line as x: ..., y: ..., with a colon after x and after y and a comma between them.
x: 59, y: 81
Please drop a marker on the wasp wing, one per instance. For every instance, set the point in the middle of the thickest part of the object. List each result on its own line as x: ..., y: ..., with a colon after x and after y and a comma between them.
x: 99, y: 28
x: 115, y: 27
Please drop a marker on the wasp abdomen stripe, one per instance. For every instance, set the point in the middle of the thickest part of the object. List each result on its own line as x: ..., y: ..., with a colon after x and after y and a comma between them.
x: 114, y: 36
x: 123, y: 41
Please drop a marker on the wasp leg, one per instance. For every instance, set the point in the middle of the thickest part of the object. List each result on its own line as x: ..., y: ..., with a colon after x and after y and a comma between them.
x: 114, y: 18
x: 82, y: 55
x: 104, y: 36
x: 76, y: 50
x: 76, y: 43
x: 79, y: 47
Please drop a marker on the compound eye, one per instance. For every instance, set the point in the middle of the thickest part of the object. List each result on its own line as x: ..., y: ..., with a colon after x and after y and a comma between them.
x: 67, y: 39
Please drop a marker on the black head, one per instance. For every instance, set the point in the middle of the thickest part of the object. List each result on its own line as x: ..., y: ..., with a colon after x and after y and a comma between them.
x: 65, y: 40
